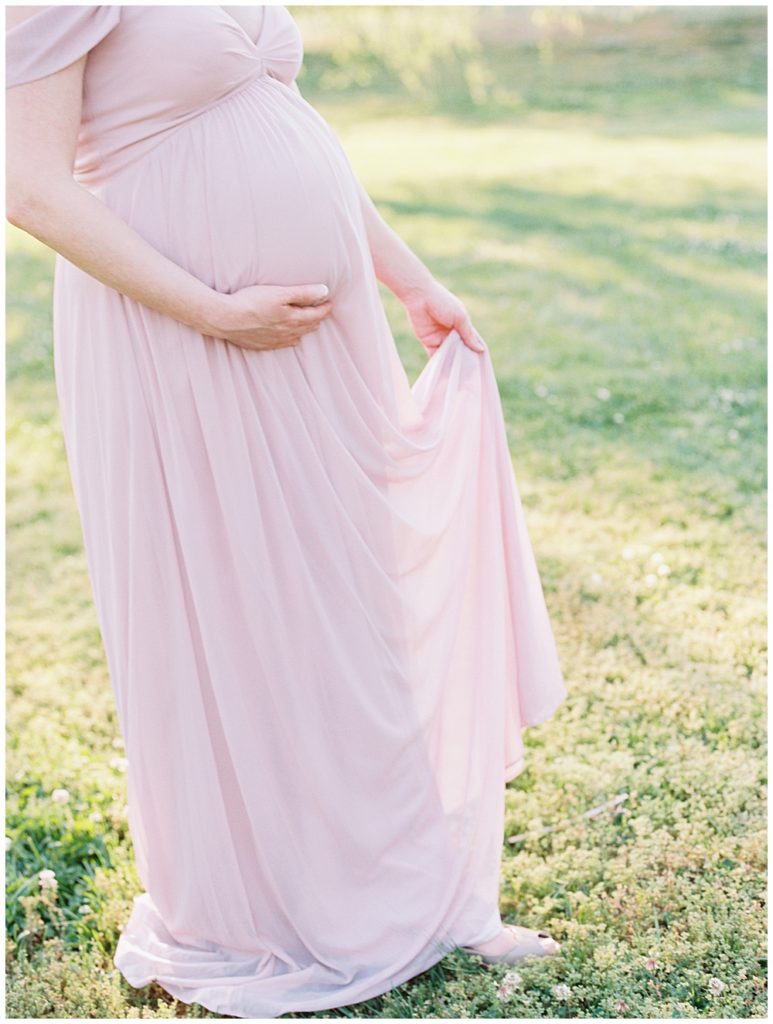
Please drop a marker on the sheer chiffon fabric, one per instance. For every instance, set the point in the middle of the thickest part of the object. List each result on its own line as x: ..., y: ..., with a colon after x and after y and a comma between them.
x: 321, y: 612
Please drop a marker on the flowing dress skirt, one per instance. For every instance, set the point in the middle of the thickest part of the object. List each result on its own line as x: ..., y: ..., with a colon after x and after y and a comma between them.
x: 321, y: 612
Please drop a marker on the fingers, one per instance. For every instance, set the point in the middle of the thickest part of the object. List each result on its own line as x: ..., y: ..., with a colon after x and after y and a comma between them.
x: 309, y: 315
x: 470, y: 336
x: 276, y: 316
x: 302, y: 320
x: 305, y: 294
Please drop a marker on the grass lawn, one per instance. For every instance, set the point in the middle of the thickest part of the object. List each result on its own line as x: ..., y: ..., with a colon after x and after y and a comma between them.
x: 604, y: 220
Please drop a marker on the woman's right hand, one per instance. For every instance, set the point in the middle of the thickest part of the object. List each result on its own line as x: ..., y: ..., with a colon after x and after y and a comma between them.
x: 266, y: 316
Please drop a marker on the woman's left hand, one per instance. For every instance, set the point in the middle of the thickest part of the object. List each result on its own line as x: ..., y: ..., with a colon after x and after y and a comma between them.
x: 434, y: 311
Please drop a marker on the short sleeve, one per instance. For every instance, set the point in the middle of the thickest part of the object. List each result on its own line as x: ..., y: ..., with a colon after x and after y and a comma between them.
x: 53, y: 38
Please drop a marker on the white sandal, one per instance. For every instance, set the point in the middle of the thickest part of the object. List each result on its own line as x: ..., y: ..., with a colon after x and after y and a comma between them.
x: 528, y: 942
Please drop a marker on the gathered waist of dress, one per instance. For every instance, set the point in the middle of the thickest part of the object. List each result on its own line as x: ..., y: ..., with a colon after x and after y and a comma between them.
x: 107, y: 155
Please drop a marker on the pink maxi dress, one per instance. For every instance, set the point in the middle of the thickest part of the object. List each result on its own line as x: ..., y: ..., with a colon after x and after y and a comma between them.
x: 322, y: 616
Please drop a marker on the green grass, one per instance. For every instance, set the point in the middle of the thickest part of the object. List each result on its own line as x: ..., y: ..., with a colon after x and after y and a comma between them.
x: 603, y: 218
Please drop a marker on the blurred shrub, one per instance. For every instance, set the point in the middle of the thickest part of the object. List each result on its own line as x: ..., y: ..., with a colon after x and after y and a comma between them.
x: 461, y: 55
x: 422, y: 49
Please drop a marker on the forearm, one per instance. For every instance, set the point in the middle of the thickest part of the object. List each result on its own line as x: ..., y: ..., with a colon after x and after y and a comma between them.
x: 75, y: 223
x: 396, y: 265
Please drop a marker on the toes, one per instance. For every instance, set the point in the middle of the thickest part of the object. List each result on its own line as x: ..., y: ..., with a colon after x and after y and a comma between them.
x: 548, y: 941
x: 545, y: 939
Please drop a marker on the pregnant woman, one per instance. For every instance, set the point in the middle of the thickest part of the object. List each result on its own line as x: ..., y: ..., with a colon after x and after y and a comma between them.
x: 322, y: 616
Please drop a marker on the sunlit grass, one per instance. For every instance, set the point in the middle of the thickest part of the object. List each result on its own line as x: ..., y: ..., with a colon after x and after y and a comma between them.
x: 604, y: 221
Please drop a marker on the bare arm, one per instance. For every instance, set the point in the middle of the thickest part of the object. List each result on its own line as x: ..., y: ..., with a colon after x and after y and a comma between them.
x: 396, y: 265
x: 43, y: 199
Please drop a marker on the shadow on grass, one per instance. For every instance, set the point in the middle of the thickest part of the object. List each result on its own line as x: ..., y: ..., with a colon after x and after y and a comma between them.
x: 635, y: 300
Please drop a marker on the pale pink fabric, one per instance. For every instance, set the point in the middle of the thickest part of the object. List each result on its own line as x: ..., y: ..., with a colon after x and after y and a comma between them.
x: 322, y: 616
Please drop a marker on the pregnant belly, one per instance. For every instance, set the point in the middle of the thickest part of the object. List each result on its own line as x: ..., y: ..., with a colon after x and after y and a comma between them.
x: 255, y: 190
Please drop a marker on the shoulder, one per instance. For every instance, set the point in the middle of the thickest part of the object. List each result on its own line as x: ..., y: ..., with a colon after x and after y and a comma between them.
x: 15, y: 15
x: 42, y: 40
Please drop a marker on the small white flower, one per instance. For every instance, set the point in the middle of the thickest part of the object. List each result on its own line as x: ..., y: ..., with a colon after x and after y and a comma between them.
x: 84, y: 908
x: 510, y: 983
x: 656, y: 557
x: 119, y: 763
x: 732, y: 434
x: 603, y: 393
x: 60, y: 796
x: 47, y: 878
x: 596, y: 578
x: 96, y: 816
x: 118, y: 742
x: 8, y: 842
x: 562, y: 992
x: 541, y: 390
x: 618, y: 417
x: 650, y: 579
x: 628, y: 553
x: 715, y: 986
x: 663, y: 569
